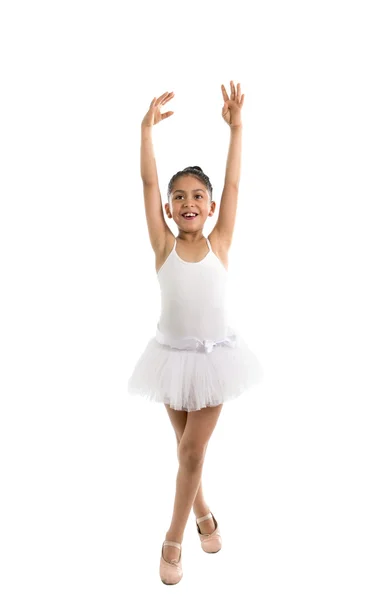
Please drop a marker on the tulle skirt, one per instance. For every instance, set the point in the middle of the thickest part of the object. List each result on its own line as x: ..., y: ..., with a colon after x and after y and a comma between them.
x: 193, y: 379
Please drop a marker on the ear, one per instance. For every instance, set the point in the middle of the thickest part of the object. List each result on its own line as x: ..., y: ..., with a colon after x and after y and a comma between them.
x: 168, y: 212
x: 212, y: 209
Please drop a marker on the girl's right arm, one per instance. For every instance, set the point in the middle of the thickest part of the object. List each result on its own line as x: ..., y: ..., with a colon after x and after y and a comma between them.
x: 156, y: 223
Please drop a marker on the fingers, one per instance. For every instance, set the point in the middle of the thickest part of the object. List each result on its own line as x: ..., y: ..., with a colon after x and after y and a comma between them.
x: 168, y: 97
x: 159, y: 100
x: 236, y: 95
x: 225, y: 95
x: 232, y: 90
x: 164, y: 98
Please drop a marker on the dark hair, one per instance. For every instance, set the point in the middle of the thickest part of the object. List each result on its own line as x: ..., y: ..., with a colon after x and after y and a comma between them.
x: 196, y: 172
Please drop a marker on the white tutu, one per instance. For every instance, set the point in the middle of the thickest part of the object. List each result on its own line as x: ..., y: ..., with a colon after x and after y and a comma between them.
x: 193, y: 379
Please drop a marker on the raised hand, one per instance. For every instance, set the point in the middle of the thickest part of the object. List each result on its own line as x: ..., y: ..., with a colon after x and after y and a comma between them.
x: 154, y: 115
x: 232, y: 106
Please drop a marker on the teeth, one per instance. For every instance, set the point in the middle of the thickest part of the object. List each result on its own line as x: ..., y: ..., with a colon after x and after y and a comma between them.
x: 189, y: 215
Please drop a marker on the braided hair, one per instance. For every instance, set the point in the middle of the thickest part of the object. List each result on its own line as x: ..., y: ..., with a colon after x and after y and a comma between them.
x: 196, y: 172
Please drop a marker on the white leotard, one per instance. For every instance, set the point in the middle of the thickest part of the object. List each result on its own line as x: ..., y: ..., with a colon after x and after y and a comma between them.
x: 193, y: 303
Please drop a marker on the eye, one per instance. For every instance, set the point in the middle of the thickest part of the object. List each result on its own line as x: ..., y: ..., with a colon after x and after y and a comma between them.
x: 197, y: 196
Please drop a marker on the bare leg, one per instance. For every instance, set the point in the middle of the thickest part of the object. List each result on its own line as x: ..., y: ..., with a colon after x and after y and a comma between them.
x: 178, y: 420
x: 191, y: 453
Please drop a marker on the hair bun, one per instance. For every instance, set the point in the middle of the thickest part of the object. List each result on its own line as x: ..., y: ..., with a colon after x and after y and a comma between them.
x: 196, y: 168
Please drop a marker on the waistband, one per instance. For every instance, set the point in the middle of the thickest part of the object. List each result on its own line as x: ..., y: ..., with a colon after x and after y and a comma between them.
x: 194, y: 343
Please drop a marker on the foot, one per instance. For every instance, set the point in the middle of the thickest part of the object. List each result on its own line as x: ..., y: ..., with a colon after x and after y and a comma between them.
x: 170, y: 571
x: 210, y: 540
x: 206, y: 526
x: 171, y: 553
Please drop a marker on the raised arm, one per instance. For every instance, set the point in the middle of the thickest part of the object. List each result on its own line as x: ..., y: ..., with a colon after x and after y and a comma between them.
x: 234, y: 155
x: 231, y: 113
x: 148, y: 166
x: 156, y: 223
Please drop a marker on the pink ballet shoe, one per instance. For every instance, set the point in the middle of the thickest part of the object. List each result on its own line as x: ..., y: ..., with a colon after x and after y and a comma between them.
x: 170, y: 571
x: 210, y: 542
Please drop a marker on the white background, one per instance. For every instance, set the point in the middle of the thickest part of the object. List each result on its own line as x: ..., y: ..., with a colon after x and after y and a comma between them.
x: 296, y: 472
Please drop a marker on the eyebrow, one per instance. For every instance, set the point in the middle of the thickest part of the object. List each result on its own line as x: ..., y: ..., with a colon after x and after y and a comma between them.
x: 196, y: 190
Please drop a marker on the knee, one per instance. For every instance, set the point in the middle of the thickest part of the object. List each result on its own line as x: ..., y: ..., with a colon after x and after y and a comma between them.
x: 190, y: 454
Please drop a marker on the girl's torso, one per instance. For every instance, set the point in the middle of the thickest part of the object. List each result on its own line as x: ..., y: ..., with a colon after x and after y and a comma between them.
x: 196, y: 255
x: 193, y: 295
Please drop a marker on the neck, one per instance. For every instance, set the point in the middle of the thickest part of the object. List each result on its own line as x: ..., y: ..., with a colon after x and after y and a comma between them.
x: 191, y: 238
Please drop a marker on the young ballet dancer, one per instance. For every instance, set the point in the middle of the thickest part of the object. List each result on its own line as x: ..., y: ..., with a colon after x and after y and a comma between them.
x: 196, y: 361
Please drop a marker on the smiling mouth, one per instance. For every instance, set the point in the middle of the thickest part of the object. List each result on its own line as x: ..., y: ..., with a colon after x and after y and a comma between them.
x: 189, y: 218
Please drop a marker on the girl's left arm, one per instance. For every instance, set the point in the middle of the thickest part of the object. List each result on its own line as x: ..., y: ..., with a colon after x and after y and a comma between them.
x: 231, y: 113
x: 232, y: 176
x: 229, y: 199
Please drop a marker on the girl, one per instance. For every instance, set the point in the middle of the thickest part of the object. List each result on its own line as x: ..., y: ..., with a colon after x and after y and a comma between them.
x: 196, y: 361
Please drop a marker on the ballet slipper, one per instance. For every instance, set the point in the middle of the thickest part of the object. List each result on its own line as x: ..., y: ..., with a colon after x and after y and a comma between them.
x: 210, y: 542
x: 170, y: 571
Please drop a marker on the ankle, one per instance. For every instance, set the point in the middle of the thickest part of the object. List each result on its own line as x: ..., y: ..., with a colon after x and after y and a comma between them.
x: 201, y: 512
x: 172, y: 537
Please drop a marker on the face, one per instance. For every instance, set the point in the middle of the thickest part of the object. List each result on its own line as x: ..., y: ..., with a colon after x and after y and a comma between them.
x: 189, y: 195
